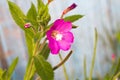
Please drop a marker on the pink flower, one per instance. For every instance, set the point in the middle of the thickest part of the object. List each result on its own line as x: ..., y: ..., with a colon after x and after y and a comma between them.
x: 59, y: 36
x: 27, y: 25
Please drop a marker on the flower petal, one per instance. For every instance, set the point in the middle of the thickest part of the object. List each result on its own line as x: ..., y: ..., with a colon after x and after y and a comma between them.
x: 62, y: 26
x: 68, y: 37
x: 53, y: 45
x: 64, y: 45
x: 49, y: 34
x: 57, y: 23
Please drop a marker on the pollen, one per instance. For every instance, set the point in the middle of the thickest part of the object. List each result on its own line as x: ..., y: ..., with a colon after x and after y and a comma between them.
x: 57, y: 35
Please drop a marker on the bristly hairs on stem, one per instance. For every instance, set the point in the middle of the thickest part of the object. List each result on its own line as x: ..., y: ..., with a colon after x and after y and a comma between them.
x: 64, y: 68
x: 63, y: 61
x: 94, y: 54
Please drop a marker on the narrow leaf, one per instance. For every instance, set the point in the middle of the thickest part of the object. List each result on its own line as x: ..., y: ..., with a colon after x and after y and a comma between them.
x: 32, y: 16
x: 118, y: 37
x: 17, y: 14
x: 43, y: 19
x: 94, y: 54
x: 40, y: 4
x: 12, y: 67
x: 32, y: 13
x: 43, y: 68
x: 73, y: 18
x: 30, y: 72
x: 43, y: 13
x: 29, y: 43
x: 38, y: 36
x: 1, y: 71
x: 116, y: 76
x: 4, y: 75
x: 45, y: 51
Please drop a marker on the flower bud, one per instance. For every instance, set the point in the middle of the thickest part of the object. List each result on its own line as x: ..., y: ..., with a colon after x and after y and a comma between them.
x: 113, y: 57
x: 70, y: 8
x: 27, y: 25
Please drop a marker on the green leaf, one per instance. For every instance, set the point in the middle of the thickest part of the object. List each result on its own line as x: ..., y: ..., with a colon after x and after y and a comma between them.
x: 118, y: 36
x: 43, y: 68
x: 107, y: 77
x: 32, y: 71
x: 113, y: 71
x: 29, y: 43
x: 40, y: 4
x: 38, y: 36
x: 45, y: 51
x: 1, y: 71
x: 73, y: 18
x: 17, y: 14
x: 32, y: 13
x: 43, y: 14
x: 12, y: 67
x: 4, y: 75
x: 32, y: 16
x: 117, y: 69
x: 43, y: 19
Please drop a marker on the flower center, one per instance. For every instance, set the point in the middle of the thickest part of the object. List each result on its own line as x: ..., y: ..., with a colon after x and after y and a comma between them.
x: 57, y: 35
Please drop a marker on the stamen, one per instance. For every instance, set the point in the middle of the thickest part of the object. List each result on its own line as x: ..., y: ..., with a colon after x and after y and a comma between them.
x: 56, y: 35
x: 59, y: 37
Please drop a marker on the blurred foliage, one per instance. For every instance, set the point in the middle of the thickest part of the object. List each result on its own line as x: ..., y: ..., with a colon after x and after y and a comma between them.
x: 118, y: 36
x: 7, y: 74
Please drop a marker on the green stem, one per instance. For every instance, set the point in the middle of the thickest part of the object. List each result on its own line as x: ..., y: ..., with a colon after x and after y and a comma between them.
x: 64, y: 69
x: 85, y: 75
x: 116, y: 68
x: 42, y: 45
x: 63, y: 61
x: 33, y: 29
x: 116, y: 76
x: 28, y: 76
x: 36, y: 48
x: 94, y: 55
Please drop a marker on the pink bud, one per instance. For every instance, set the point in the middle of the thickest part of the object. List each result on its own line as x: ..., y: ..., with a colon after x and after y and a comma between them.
x: 113, y: 57
x: 27, y: 25
x: 72, y: 6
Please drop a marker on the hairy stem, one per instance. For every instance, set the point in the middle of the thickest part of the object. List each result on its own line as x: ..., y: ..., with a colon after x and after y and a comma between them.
x: 116, y: 76
x: 94, y: 55
x: 63, y: 61
x: 32, y: 62
x: 85, y: 75
x: 64, y: 68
